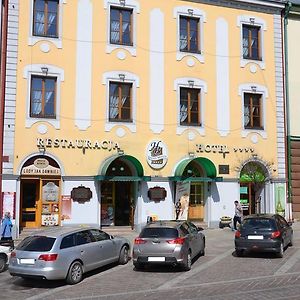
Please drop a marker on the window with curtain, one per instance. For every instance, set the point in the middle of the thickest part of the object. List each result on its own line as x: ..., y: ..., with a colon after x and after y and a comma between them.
x: 121, y: 26
x: 190, y: 107
x: 251, y: 42
x: 253, y: 111
x: 120, y: 102
x: 45, y: 18
x: 189, y: 34
x: 42, y: 97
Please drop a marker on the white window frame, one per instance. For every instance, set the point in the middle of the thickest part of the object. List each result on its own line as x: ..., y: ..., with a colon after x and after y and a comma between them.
x: 192, y: 12
x: 128, y: 4
x: 114, y: 76
x: 195, y: 83
x: 32, y: 39
x: 258, y: 22
x: 53, y: 71
x: 253, y: 88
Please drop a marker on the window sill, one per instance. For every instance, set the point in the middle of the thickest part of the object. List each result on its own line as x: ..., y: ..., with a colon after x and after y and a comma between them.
x: 245, y: 62
x: 31, y: 121
x: 111, y: 47
x: 181, y: 129
x: 111, y: 125
x: 260, y: 132
x: 32, y: 40
x: 180, y: 55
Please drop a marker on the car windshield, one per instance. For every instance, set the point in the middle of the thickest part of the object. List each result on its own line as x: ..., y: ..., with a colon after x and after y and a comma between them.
x: 259, y: 223
x: 159, y: 232
x: 36, y: 243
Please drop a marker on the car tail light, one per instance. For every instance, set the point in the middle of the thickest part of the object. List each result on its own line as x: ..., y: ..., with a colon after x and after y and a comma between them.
x: 48, y: 257
x: 13, y: 254
x: 275, y: 234
x: 177, y: 241
x: 237, y: 234
x: 138, y: 241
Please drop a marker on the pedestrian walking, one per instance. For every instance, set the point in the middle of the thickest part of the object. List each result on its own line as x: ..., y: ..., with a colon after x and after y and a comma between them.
x: 6, y: 230
x: 238, y: 214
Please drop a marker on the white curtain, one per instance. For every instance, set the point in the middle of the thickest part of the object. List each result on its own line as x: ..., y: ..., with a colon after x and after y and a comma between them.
x: 36, y: 105
x: 51, y: 18
x: 115, y: 32
x: 183, y: 113
x: 183, y: 41
x: 246, y: 116
x: 39, y: 23
x: 114, y: 106
x: 48, y: 100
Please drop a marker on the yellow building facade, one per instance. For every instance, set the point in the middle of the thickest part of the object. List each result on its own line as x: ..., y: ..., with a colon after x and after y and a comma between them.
x: 125, y: 107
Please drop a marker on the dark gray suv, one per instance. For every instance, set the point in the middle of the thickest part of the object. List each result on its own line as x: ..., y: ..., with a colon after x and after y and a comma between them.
x: 168, y: 242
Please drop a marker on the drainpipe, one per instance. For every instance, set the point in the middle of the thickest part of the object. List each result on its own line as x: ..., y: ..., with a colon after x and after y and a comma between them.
x: 4, y: 25
x: 286, y: 83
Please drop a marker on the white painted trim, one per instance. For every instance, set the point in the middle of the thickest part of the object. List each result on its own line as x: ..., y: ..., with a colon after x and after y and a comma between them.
x: 254, y: 88
x: 254, y: 21
x: 129, y: 78
x: 198, y: 84
x: 130, y: 4
x: 32, y: 39
x: 197, y: 13
x: 53, y: 71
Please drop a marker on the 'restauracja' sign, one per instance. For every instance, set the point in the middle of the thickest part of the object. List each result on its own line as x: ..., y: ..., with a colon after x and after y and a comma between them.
x: 77, y: 143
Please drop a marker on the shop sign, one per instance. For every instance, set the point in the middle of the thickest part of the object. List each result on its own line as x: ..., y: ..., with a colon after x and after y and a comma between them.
x: 50, y: 192
x: 81, y: 194
x: 50, y: 220
x: 77, y: 144
x: 157, y: 193
x: 157, y: 155
x: 40, y: 166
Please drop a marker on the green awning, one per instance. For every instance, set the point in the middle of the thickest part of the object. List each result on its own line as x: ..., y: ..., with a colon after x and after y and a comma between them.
x: 195, y: 179
x: 122, y: 178
x: 205, y: 163
x: 135, y: 164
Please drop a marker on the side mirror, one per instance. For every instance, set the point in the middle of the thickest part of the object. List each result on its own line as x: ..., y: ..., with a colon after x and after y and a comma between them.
x: 111, y: 237
x: 199, y: 228
x: 290, y: 223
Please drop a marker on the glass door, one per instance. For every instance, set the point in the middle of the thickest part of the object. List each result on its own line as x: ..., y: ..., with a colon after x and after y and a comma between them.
x: 30, y: 203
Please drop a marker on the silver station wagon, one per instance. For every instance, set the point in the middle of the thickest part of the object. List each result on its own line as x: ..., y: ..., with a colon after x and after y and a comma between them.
x: 66, y: 253
x: 168, y: 243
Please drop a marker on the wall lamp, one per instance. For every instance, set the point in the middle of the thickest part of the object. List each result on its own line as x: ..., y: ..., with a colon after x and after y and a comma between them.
x: 252, y: 20
x: 253, y: 88
x: 191, y: 83
x: 120, y: 152
x: 44, y: 70
x: 122, y: 2
x: 122, y: 77
x: 42, y: 150
x: 190, y: 11
x: 191, y: 154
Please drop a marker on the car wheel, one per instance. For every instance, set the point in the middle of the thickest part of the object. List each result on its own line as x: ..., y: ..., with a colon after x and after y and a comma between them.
x: 188, y: 262
x: 291, y: 243
x: 124, y: 255
x: 2, y: 263
x: 280, y: 252
x: 75, y: 273
x: 239, y: 253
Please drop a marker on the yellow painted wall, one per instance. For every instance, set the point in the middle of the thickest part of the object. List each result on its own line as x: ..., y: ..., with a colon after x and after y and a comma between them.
x: 77, y: 163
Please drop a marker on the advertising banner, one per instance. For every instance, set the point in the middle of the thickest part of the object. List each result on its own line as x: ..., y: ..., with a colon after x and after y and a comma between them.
x: 182, y: 199
x: 280, y: 198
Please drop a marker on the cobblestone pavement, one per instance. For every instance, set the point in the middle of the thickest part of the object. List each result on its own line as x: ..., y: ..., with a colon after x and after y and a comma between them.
x: 217, y: 275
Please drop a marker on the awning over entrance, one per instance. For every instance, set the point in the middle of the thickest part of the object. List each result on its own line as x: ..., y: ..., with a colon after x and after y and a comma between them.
x: 135, y: 165
x: 205, y: 163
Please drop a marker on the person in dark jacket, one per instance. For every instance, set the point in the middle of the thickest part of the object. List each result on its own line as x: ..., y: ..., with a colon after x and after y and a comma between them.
x: 6, y: 228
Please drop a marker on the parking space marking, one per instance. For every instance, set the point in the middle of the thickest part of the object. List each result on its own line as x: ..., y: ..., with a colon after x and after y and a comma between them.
x: 175, y: 281
x: 65, y: 287
x: 289, y: 263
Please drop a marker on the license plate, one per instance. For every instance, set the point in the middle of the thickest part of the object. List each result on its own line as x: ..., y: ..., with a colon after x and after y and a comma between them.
x: 27, y: 261
x: 255, y: 237
x: 156, y: 259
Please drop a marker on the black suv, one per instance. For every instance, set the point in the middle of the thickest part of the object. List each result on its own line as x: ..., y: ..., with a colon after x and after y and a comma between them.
x: 263, y: 233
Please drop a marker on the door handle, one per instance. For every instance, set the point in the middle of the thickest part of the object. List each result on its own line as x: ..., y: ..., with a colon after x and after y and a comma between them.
x: 82, y: 251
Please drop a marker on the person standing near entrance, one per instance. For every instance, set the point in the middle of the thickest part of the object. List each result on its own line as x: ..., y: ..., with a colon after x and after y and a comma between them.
x: 238, y: 214
x: 7, y: 225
